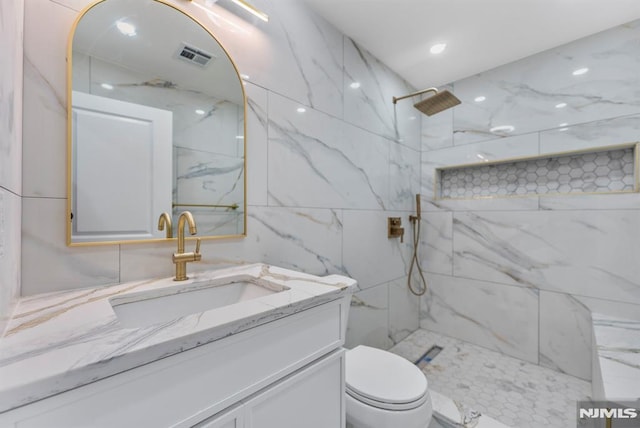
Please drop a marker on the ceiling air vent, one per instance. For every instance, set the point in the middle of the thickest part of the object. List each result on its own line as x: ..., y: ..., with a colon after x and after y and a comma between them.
x: 194, y: 55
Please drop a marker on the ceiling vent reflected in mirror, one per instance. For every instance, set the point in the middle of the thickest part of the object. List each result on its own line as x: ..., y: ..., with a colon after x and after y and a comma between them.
x: 194, y: 55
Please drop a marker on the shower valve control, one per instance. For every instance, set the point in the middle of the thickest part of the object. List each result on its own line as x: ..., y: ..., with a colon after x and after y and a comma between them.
x: 394, y: 228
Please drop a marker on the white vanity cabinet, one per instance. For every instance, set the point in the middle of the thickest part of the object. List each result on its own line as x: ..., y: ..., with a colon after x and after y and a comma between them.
x: 310, y: 398
x: 285, y: 373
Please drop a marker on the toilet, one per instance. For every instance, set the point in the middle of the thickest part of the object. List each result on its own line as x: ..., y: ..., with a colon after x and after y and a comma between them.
x: 384, y: 390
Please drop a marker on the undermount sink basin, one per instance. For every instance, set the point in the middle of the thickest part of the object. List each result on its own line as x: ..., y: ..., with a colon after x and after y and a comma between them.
x: 146, y: 308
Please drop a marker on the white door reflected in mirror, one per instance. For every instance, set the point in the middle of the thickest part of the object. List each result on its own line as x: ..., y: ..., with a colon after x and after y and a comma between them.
x: 122, y: 152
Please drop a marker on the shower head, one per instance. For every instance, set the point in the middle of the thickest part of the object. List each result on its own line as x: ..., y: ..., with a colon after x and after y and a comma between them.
x: 439, y: 101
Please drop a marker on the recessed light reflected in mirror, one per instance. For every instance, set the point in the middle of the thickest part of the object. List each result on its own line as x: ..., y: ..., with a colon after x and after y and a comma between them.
x: 200, y: 112
x: 107, y: 86
x: 480, y: 99
x: 438, y: 48
x: 354, y: 85
x: 580, y: 71
x: 239, y: 137
x: 301, y: 109
x: 502, y: 128
x: 412, y: 118
x: 561, y: 105
x: 126, y: 28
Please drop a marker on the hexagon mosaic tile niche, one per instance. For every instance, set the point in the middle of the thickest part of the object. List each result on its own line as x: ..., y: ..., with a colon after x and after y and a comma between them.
x: 595, y: 172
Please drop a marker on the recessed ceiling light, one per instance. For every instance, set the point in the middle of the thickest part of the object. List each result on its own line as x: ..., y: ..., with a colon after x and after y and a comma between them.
x: 245, y: 76
x: 562, y: 124
x: 502, y: 128
x: 412, y: 118
x: 239, y: 137
x: 126, y: 28
x: 438, y: 48
x: 354, y: 85
x: 107, y: 86
x: 480, y: 99
x: 200, y: 112
x: 563, y: 129
x: 561, y: 105
x: 580, y: 71
x: 301, y: 109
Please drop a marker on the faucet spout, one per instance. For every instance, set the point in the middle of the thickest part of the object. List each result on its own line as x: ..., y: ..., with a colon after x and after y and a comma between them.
x: 165, y: 221
x: 180, y: 258
x: 188, y: 217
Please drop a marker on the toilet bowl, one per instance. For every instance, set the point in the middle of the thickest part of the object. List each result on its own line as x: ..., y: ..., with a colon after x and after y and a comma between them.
x: 384, y: 390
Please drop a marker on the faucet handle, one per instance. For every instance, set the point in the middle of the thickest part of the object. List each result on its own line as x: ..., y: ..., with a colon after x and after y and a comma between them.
x: 196, y: 255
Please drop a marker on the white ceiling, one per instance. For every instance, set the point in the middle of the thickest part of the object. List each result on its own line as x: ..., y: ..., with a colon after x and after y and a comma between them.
x: 480, y: 34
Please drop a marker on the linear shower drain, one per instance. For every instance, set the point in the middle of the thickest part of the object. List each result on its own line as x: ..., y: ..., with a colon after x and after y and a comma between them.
x: 428, y: 356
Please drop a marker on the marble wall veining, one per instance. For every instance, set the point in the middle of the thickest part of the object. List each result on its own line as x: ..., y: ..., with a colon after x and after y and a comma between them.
x: 11, y: 46
x: 321, y: 182
x: 522, y: 275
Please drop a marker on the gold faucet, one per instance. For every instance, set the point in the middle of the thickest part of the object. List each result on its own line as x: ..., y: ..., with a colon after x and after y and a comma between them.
x: 181, y: 258
x: 165, y: 221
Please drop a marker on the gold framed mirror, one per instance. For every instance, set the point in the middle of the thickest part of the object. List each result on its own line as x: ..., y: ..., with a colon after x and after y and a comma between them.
x: 156, y: 124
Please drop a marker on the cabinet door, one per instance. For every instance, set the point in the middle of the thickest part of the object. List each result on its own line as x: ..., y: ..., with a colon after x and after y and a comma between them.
x: 312, y: 398
x: 233, y: 418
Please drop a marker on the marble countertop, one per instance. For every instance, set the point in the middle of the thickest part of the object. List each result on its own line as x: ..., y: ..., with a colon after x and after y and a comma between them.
x: 618, y: 347
x: 60, y: 341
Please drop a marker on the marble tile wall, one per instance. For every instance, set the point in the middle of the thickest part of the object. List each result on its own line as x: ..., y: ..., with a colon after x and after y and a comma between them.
x: 522, y: 275
x: 321, y: 183
x: 11, y: 46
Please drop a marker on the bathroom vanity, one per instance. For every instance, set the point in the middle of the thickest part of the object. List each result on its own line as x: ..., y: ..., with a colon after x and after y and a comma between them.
x: 267, y: 353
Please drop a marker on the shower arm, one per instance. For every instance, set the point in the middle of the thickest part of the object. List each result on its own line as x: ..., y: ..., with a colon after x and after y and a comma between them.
x: 424, y: 91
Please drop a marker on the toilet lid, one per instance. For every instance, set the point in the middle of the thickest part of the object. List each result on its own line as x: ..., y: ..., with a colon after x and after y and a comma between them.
x: 383, y: 377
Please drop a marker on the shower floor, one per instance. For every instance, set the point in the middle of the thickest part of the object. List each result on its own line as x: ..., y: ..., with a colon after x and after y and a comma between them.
x: 511, y: 391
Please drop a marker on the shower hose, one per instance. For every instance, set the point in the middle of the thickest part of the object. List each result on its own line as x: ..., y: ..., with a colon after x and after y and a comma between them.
x: 422, y: 288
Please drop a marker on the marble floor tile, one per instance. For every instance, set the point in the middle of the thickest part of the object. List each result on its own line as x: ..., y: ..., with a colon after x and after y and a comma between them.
x: 511, y: 391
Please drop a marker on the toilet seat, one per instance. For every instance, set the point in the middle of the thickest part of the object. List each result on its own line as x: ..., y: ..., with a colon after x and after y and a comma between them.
x: 384, y: 380
x: 387, y: 406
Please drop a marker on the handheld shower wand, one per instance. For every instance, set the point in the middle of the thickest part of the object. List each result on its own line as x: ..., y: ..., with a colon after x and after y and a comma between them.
x: 415, y: 221
x: 418, y: 216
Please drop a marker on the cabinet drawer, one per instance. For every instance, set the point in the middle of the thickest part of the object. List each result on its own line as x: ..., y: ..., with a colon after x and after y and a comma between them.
x: 183, y: 389
x: 312, y: 397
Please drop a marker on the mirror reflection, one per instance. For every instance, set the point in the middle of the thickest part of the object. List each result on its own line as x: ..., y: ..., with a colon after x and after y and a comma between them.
x: 157, y: 124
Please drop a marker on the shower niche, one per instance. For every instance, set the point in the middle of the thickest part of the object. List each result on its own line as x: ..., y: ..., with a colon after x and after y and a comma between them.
x: 611, y: 169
